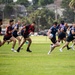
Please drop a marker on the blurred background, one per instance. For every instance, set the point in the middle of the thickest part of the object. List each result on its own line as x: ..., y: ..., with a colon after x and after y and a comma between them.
x: 44, y: 12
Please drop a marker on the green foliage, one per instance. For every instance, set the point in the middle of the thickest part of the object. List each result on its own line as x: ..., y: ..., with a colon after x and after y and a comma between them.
x: 44, y: 2
x: 72, y: 4
x: 23, y: 2
x: 8, y: 11
x: 43, y: 18
x: 6, y: 1
x: 65, y: 3
x: 35, y: 2
x: 67, y: 13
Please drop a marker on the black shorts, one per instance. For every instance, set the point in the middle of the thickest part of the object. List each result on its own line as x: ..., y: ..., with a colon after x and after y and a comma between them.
x: 15, y: 35
x: 22, y: 33
x: 25, y: 36
x: 53, y: 40
x: 61, y: 36
x: 6, y: 37
x: 70, y: 38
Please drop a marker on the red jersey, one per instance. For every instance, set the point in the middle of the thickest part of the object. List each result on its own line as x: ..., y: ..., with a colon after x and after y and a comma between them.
x: 9, y: 31
x: 29, y: 29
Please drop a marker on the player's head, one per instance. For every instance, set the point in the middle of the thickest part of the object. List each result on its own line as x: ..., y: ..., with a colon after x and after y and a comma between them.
x: 62, y: 22
x: 11, y: 22
x: 66, y: 24
x: 33, y: 23
x: 1, y: 21
x: 23, y: 23
x: 18, y: 22
x: 55, y: 23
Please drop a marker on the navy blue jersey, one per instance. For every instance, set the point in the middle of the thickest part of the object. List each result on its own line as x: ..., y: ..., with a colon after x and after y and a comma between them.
x: 53, y: 30
x: 63, y: 28
x: 58, y: 26
x: 71, y: 31
x: 17, y: 28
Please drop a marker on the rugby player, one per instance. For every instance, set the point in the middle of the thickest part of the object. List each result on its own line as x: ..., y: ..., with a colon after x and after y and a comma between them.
x: 29, y: 29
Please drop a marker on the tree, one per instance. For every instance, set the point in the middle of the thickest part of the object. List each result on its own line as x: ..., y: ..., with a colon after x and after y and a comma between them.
x: 6, y: 1
x: 65, y: 3
x: 72, y: 4
x: 44, y: 18
x: 44, y: 2
x: 67, y: 13
x: 8, y: 11
x: 35, y: 2
x: 23, y: 2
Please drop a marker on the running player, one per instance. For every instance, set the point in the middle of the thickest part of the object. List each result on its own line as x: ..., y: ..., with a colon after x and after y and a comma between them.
x: 70, y: 37
x: 52, y: 31
x: 29, y: 29
x: 62, y: 32
x: 22, y: 30
x: 15, y: 31
x: 8, y: 35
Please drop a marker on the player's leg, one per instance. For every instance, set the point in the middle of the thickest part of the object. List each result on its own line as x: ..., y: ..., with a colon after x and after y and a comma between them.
x: 4, y: 40
x: 67, y: 45
x: 18, y: 50
x: 73, y: 43
x: 64, y: 46
x: 68, y: 40
x: 2, y: 43
x: 14, y: 43
x: 29, y: 44
x: 8, y: 41
x: 55, y: 44
x: 19, y: 40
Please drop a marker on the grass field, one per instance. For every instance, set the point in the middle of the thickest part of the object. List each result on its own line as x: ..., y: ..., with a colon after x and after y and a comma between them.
x: 37, y: 62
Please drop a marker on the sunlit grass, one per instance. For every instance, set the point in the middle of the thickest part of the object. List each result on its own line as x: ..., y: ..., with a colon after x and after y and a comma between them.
x: 37, y: 62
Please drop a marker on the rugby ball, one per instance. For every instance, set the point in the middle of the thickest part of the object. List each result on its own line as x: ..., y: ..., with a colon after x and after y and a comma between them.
x: 50, y: 36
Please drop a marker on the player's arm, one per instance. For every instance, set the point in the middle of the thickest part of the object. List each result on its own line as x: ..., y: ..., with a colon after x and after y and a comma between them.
x: 21, y: 29
x: 49, y: 31
x: 15, y: 28
x: 32, y: 31
x: 73, y: 32
x: 62, y: 29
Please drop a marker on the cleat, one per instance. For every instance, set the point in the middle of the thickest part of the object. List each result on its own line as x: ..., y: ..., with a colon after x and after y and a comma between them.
x: 28, y: 50
x: 49, y: 52
x: 60, y: 50
x: 13, y: 50
x: 72, y: 48
x: 18, y: 50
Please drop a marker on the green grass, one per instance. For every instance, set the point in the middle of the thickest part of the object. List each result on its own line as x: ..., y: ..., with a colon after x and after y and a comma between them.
x: 37, y: 62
